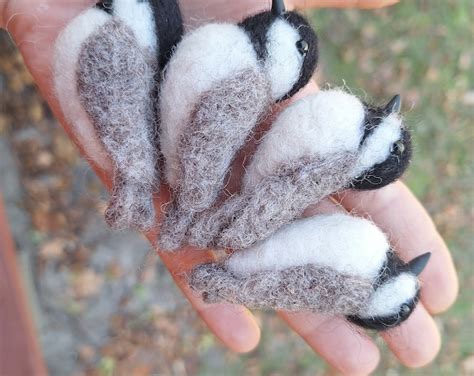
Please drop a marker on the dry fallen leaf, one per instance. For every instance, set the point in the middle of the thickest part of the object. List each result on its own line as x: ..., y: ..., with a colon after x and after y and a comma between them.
x: 87, y: 283
x: 53, y: 249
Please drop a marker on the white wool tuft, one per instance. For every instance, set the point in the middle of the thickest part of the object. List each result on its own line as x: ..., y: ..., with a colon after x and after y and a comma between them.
x: 376, y: 148
x: 284, y: 62
x: 203, y: 59
x: 67, y: 49
x: 138, y: 15
x: 318, y: 125
x: 389, y: 297
x: 344, y: 243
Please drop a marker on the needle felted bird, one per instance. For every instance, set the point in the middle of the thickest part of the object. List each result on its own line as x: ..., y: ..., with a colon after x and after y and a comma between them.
x: 107, y: 61
x: 333, y: 264
x: 219, y: 84
x: 320, y: 145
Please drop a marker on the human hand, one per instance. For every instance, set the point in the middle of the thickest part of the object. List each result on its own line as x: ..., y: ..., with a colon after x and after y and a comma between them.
x: 35, y: 25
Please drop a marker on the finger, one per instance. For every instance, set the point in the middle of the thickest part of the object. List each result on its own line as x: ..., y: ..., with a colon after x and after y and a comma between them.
x: 234, y: 11
x: 344, y: 347
x: 411, y: 230
x: 198, y: 12
x: 361, y: 4
x: 417, y: 341
x: 35, y: 34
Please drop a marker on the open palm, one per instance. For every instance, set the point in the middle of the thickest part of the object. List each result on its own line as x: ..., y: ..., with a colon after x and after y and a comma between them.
x: 35, y: 25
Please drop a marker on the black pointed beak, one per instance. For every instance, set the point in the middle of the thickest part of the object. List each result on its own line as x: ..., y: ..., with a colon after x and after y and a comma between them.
x: 419, y: 263
x: 278, y: 7
x: 394, y: 105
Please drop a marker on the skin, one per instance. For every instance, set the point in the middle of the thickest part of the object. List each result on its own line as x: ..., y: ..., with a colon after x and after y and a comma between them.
x: 394, y: 208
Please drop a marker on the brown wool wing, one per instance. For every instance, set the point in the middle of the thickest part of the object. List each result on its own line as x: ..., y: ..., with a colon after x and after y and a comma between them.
x: 115, y: 80
x: 278, y: 199
x: 307, y: 287
x: 221, y: 123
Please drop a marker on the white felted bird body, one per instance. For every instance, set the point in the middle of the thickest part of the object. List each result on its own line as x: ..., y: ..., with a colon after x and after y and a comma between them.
x: 107, y: 61
x: 219, y: 84
x: 334, y: 264
x: 320, y: 145
x: 208, y: 111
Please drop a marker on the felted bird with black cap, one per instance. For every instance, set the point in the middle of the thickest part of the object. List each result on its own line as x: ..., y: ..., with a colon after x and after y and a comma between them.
x: 106, y: 71
x: 219, y: 84
x: 319, y: 145
x: 334, y: 264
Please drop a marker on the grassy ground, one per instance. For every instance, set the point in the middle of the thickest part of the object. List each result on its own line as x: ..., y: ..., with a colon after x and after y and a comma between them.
x: 422, y: 50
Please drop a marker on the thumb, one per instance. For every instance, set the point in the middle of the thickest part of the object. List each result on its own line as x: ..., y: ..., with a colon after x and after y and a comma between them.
x: 361, y: 4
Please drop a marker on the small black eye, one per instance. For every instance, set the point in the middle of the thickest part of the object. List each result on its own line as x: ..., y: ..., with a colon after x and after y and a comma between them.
x: 398, y: 147
x: 303, y: 47
x: 405, y: 310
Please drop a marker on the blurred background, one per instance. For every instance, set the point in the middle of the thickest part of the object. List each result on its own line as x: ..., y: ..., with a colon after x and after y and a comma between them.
x: 104, y: 305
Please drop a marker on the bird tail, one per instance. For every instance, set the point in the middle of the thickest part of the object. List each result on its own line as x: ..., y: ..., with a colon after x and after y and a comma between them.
x: 174, y: 229
x: 130, y: 206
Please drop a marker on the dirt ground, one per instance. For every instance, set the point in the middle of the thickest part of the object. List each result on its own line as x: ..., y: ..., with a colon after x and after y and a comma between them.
x: 105, y: 305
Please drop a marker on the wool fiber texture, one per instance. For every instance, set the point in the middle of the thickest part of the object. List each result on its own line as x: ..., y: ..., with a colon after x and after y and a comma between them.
x: 205, y: 58
x: 305, y: 287
x: 216, y: 52
x: 314, y: 149
x: 276, y: 200
x: 334, y: 264
x: 153, y: 21
x: 220, y: 124
x: 138, y: 16
x: 322, y: 124
x: 331, y: 121
x: 346, y: 244
x: 116, y: 85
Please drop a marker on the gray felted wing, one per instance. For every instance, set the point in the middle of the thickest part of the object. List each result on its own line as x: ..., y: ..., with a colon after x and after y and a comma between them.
x: 220, y: 124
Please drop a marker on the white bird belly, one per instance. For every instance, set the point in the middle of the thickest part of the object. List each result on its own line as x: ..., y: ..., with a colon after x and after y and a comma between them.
x: 347, y: 244
x: 321, y: 124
